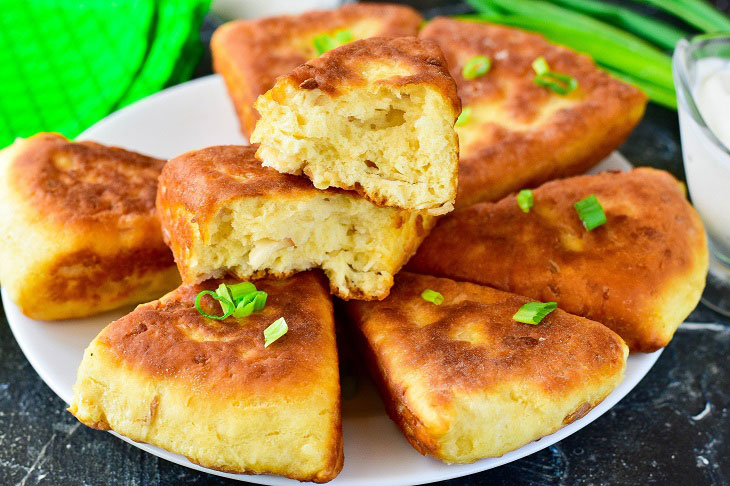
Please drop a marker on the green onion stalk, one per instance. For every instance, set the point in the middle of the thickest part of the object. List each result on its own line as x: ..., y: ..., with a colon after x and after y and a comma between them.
x: 621, y: 53
x: 659, y: 33
x: 694, y: 12
x: 657, y: 94
x: 550, y: 14
x: 652, y: 70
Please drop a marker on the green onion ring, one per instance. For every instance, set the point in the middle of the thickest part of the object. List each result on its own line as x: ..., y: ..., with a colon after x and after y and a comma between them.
x: 225, y: 304
x: 561, y: 84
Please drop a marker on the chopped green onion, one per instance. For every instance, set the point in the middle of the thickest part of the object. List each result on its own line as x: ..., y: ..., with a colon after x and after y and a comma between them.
x: 525, y: 200
x: 260, y: 300
x: 463, y: 117
x: 343, y: 37
x: 223, y: 292
x: 246, y: 299
x: 590, y: 212
x: 606, y: 52
x: 432, y: 296
x: 226, y: 305
x: 475, y: 67
x: 239, y: 290
x: 243, y: 309
x: 240, y: 300
x: 559, y: 83
x: 609, y: 46
x: 325, y: 43
x: 277, y: 329
x: 540, y: 65
x: 534, y: 312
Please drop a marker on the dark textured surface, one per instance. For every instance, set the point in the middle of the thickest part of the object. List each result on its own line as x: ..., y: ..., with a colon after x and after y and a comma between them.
x: 673, y: 428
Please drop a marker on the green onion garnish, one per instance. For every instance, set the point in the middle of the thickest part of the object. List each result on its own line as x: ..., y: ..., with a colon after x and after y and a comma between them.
x: 590, y: 212
x: 475, y: 67
x: 239, y: 300
x: 277, y: 329
x: 525, y: 200
x: 325, y: 43
x: 260, y: 300
x: 239, y: 290
x: 609, y: 45
x: 223, y: 293
x: 540, y: 65
x: 534, y: 312
x: 226, y: 305
x: 432, y: 296
x: 463, y: 117
x: 243, y: 309
x: 343, y: 37
x: 559, y: 83
x: 249, y: 297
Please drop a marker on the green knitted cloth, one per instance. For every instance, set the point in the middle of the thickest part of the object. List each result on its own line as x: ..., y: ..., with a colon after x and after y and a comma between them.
x: 64, y: 65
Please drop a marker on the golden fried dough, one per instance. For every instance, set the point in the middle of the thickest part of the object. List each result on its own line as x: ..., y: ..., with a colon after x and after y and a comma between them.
x: 464, y: 381
x: 251, y: 54
x: 210, y: 391
x: 519, y: 134
x: 640, y: 274
x: 222, y: 212
x: 375, y: 116
x: 79, y: 234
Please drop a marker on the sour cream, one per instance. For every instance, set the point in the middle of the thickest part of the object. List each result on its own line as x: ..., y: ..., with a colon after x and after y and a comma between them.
x: 707, y: 162
x: 712, y: 95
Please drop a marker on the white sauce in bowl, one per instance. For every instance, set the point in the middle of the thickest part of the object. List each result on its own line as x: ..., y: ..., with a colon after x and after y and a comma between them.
x: 712, y: 96
x: 707, y: 163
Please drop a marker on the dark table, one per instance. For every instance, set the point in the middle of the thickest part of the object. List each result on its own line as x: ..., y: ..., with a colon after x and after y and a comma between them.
x: 673, y: 428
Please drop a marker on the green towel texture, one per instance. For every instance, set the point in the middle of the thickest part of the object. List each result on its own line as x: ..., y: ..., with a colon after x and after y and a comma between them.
x: 66, y: 64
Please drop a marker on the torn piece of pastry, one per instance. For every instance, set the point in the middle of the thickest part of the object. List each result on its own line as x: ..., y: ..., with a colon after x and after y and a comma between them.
x: 640, y: 273
x: 375, y: 116
x: 79, y: 233
x: 516, y: 133
x: 223, y: 213
x: 464, y: 380
x: 211, y: 390
x: 251, y: 54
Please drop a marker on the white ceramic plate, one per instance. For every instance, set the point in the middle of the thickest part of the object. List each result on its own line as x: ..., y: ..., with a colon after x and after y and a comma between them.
x: 195, y: 115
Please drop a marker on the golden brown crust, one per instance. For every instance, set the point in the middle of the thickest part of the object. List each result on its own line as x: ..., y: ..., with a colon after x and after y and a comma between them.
x: 80, y: 233
x: 521, y: 134
x: 392, y: 393
x: 470, y: 345
x: 251, y: 54
x: 202, y: 181
x: 85, y: 182
x: 66, y: 282
x: 621, y: 274
x: 210, y: 390
x: 334, y: 72
x: 208, y: 353
x: 203, y: 196
x: 435, y: 339
x: 195, y: 186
